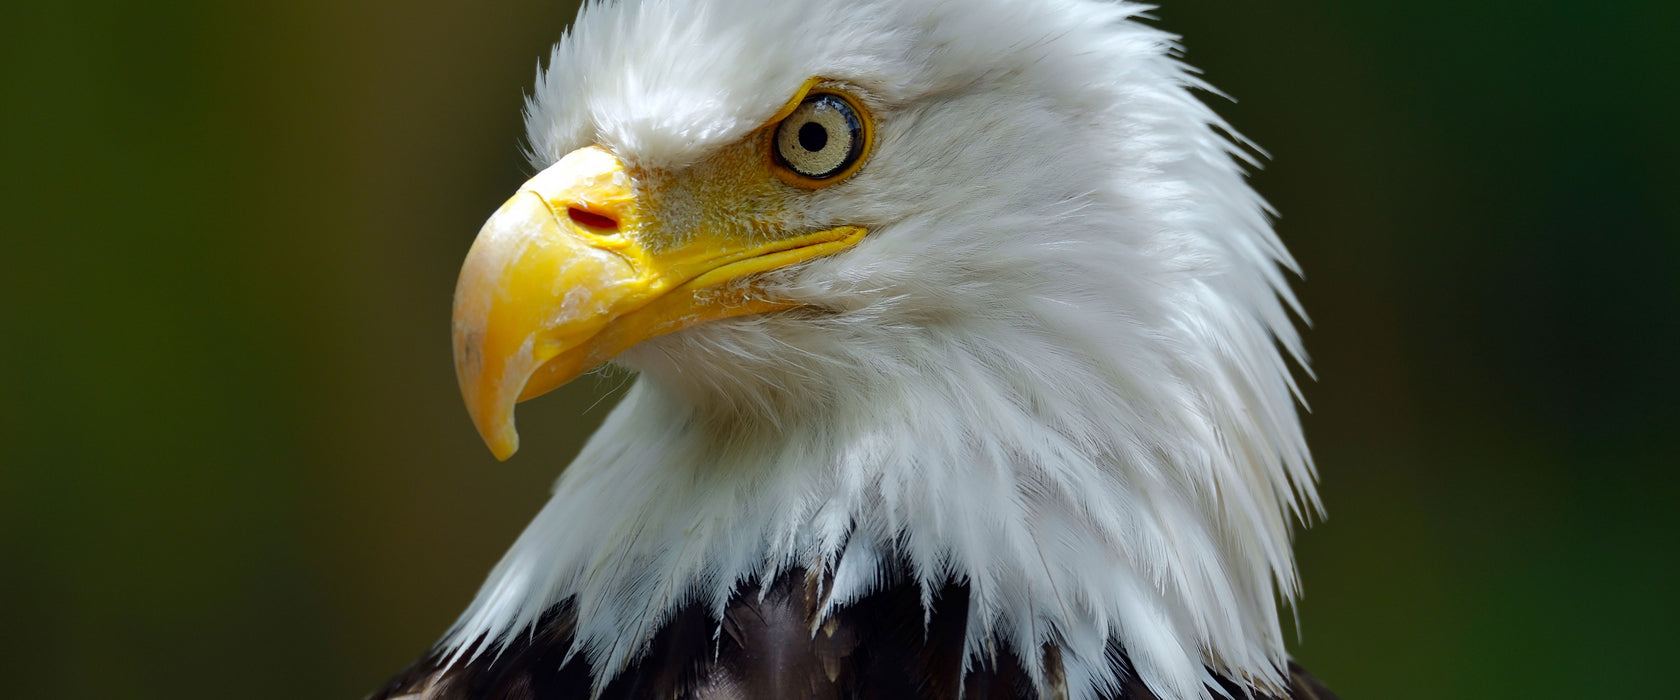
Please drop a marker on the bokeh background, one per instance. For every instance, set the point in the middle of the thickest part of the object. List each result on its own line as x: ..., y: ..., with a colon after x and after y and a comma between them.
x: 233, y: 462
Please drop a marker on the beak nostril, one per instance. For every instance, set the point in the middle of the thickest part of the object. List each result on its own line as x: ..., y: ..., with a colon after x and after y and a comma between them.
x: 592, y: 219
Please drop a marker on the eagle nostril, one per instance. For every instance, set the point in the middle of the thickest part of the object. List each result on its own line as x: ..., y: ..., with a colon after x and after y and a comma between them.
x: 592, y: 219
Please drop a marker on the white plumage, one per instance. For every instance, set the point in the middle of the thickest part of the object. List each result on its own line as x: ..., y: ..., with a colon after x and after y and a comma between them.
x: 1056, y: 368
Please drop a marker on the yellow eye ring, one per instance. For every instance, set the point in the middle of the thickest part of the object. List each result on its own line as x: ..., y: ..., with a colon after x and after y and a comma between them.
x: 822, y: 137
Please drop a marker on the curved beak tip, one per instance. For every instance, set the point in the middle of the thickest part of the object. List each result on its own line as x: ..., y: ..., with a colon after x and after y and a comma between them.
x: 492, y: 415
x: 504, y: 442
x: 488, y: 404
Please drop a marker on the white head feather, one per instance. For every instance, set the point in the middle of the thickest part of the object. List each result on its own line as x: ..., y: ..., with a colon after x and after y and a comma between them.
x: 1052, y: 369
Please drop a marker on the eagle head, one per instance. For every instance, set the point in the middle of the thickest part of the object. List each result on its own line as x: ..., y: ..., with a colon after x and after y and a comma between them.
x: 915, y: 291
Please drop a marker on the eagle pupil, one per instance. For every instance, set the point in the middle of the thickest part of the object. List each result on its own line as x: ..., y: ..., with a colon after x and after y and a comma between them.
x: 812, y: 137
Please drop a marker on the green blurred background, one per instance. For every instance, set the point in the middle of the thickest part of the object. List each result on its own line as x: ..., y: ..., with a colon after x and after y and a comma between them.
x: 233, y: 461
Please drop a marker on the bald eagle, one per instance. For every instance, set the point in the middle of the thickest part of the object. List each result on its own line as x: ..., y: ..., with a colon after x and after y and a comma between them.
x: 963, y: 354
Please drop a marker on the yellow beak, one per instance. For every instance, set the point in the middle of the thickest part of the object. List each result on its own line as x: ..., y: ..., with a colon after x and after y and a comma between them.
x: 563, y: 277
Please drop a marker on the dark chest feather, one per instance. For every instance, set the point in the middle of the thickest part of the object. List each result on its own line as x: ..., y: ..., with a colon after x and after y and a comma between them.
x: 876, y: 648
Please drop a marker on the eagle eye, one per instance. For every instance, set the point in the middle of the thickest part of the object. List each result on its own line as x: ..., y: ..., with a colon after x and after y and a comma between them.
x: 821, y: 141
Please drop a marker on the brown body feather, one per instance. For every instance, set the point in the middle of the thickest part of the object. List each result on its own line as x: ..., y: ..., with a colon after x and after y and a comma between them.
x: 884, y: 646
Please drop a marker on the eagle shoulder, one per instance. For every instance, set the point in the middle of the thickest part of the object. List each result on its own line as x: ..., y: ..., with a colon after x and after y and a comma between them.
x: 884, y: 646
